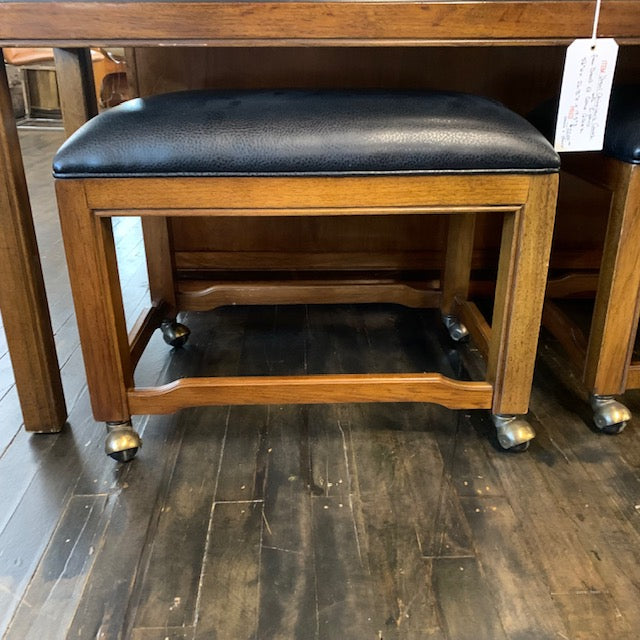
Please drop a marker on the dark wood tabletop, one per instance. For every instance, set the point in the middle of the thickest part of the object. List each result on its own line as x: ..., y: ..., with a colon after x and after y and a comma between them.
x: 246, y: 22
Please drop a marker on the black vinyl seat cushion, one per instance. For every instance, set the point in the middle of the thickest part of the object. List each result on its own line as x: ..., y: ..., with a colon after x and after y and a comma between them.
x: 622, y: 132
x: 312, y: 133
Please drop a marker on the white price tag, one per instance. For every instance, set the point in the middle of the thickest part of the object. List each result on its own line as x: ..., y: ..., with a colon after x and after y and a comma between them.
x: 584, y: 97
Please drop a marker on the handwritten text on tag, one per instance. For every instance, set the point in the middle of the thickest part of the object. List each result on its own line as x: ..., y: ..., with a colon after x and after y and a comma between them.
x: 584, y: 97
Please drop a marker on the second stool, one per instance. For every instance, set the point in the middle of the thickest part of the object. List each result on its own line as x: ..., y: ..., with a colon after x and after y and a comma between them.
x: 605, y: 358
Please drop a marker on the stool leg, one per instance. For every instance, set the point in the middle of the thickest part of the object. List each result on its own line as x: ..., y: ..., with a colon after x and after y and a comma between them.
x: 457, y: 271
x: 522, y: 272
x: 161, y: 270
x: 95, y: 285
x: 615, y: 316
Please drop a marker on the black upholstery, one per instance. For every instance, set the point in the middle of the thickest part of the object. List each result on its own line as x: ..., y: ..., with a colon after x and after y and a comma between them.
x: 622, y: 133
x: 206, y: 133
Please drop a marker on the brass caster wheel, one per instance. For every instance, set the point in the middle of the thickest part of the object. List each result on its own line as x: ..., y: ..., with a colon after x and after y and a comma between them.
x: 514, y: 432
x: 122, y: 441
x: 174, y: 333
x: 457, y: 331
x: 609, y: 415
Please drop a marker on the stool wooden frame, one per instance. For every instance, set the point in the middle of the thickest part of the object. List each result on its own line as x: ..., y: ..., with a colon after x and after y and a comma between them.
x: 605, y: 358
x: 527, y: 202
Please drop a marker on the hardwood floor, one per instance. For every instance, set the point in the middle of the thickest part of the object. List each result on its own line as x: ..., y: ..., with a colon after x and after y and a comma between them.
x: 339, y: 522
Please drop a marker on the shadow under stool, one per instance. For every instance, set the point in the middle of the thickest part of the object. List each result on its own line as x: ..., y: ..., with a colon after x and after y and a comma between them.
x: 308, y: 153
x: 605, y: 358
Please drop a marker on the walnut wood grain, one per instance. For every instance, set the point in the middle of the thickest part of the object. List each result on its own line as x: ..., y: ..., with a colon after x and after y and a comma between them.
x: 320, y: 389
x: 150, y: 23
x: 22, y: 295
x: 197, y: 295
x: 522, y: 275
x: 457, y: 263
x: 76, y: 86
x: 615, y: 316
x: 295, y: 196
x: 98, y: 303
x: 160, y: 262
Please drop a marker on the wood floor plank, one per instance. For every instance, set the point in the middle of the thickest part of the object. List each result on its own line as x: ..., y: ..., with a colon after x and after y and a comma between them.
x: 102, y: 611
x: 405, y: 340
x: 577, y: 587
x: 394, y: 457
x: 451, y: 535
x: 287, y: 606
x: 395, y: 514
x: 605, y: 533
x: 185, y: 515
x: 169, y: 590
x: 49, y: 602
x: 287, y: 570
x: 612, y: 462
x: 286, y: 347
x: 336, y: 340
x: 330, y: 473
x: 10, y: 419
x: 523, y: 599
x: 161, y: 436
x: 382, y: 346
x: 464, y: 599
x: 345, y: 598
x: 244, y: 461
x: 38, y: 474
x: 74, y: 381
x: 230, y: 584
x: 40, y: 503
x: 472, y: 472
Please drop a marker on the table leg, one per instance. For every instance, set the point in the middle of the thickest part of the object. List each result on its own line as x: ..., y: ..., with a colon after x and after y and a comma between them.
x: 74, y: 72
x: 23, y: 299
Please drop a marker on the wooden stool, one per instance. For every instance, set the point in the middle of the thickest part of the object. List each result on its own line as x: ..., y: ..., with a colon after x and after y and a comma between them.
x: 605, y: 359
x: 304, y: 153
